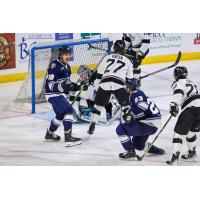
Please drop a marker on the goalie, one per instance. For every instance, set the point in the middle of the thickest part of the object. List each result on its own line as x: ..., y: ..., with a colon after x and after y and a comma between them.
x: 85, y: 100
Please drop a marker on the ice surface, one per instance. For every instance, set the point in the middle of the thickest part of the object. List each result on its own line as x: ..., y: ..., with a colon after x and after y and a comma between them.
x: 22, y: 136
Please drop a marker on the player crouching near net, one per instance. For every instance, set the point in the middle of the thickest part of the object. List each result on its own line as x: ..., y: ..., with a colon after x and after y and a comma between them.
x: 57, y: 89
x: 147, y: 119
x: 188, y: 124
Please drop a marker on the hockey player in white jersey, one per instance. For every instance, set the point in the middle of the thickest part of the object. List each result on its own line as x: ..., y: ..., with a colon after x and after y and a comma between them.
x: 112, y: 74
x: 137, y: 47
x: 186, y: 99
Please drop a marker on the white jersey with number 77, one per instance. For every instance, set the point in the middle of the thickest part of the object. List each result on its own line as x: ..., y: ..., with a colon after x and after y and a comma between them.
x: 114, y: 70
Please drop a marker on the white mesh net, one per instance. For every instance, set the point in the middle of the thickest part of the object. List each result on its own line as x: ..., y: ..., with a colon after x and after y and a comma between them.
x: 88, y: 53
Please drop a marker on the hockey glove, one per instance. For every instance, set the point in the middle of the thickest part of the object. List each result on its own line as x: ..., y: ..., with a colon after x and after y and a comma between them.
x: 128, y: 115
x: 139, y: 55
x: 84, y: 85
x: 75, y: 87
x: 65, y: 87
x: 174, y: 109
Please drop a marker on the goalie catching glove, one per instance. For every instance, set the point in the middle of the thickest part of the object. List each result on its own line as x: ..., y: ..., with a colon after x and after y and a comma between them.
x: 174, y: 109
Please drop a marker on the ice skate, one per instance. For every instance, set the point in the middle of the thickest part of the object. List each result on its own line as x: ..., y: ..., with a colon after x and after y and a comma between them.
x: 91, y: 128
x: 174, y: 159
x: 159, y: 151
x: 70, y: 140
x: 191, y: 155
x: 128, y: 155
x: 51, y: 136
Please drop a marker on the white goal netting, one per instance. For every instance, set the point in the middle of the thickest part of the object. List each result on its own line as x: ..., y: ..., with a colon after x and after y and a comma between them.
x: 88, y: 52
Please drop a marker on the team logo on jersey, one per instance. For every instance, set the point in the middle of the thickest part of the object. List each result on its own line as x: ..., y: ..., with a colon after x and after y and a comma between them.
x: 5, y: 53
x: 53, y: 65
x: 197, y: 39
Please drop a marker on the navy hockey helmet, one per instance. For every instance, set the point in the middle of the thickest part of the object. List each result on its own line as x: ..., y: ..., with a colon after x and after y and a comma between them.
x: 119, y: 47
x: 133, y: 84
x: 180, y: 72
x: 63, y: 50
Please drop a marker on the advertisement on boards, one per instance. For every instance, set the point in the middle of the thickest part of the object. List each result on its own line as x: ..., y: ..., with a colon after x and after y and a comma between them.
x: 7, y: 51
x: 24, y: 42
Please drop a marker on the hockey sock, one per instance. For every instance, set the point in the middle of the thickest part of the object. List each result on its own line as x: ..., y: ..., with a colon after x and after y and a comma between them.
x: 67, y: 122
x: 124, y: 138
x: 126, y: 142
x: 55, y: 123
x: 96, y: 112
x: 177, y: 142
x: 191, y: 140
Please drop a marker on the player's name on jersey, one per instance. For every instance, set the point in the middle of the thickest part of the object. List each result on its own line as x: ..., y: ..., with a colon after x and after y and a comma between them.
x: 117, y: 56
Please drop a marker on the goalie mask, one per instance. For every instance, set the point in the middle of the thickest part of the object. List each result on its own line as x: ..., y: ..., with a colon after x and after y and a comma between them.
x: 84, y: 73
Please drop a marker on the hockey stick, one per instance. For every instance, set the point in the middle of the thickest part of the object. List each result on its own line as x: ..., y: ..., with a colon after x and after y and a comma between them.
x: 166, y: 68
x: 101, y: 49
x: 151, y: 144
x: 76, y: 97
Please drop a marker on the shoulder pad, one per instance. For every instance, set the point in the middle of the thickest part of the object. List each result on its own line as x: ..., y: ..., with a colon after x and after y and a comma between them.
x: 53, y: 65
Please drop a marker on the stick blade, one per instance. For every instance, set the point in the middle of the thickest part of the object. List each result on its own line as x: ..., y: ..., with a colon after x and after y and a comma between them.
x: 139, y: 158
x: 178, y: 58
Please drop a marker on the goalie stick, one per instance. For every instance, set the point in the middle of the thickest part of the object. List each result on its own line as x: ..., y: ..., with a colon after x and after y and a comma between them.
x: 151, y: 144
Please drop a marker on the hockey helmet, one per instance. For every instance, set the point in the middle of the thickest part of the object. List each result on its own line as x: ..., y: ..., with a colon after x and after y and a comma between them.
x: 119, y: 47
x: 133, y: 84
x: 180, y: 72
x: 63, y: 50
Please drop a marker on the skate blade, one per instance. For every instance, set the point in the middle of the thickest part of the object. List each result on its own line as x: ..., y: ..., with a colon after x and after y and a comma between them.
x: 190, y: 160
x: 128, y: 159
x: 71, y: 144
x: 172, y: 164
x: 50, y: 140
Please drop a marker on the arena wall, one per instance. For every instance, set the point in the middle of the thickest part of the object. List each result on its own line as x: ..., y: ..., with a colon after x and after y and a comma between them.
x: 163, y: 48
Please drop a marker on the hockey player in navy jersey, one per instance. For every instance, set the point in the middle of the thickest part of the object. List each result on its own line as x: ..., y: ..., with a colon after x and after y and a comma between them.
x: 147, y: 119
x: 57, y: 88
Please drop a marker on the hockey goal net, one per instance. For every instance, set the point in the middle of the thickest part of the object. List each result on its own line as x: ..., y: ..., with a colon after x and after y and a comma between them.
x: 31, y: 93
